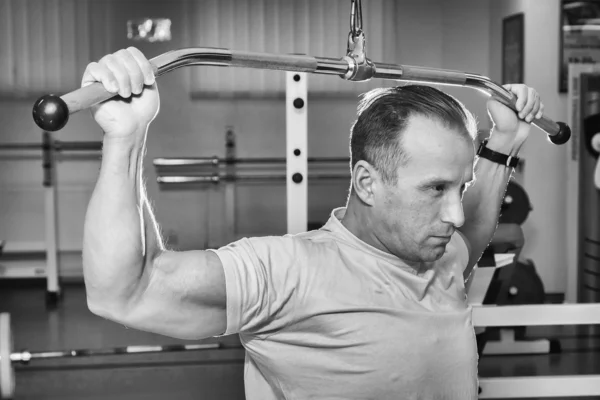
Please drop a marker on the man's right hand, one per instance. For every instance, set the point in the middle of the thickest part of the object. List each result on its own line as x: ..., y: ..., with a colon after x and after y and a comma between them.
x: 130, y: 74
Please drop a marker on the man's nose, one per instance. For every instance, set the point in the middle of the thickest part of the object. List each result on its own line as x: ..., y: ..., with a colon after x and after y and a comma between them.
x: 452, y: 211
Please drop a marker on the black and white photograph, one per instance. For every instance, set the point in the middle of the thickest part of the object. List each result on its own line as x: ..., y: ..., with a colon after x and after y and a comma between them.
x: 299, y: 199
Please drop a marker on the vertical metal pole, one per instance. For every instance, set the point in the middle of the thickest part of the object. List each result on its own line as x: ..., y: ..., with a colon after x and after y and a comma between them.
x: 578, y: 111
x: 296, y: 149
x: 50, y: 213
x: 589, y: 201
x: 572, y: 188
x: 589, y: 197
x: 230, y: 154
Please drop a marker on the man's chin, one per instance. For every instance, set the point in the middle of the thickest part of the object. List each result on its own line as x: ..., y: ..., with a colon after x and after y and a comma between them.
x: 435, y: 253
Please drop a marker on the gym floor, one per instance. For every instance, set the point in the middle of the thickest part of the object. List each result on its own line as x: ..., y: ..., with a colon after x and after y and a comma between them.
x: 209, y: 374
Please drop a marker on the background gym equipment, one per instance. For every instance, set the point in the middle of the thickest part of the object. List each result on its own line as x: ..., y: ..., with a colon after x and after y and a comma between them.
x: 589, y: 195
x: 563, y: 386
x: 523, y: 284
x: 582, y: 171
x: 7, y: 374
x: 225, y: 174
x: 515, y: 206
x: 48, y: 144
x: 216, y: 178
x: 12, y: 254
x: 583, y: 200
x: 8, y: 357
x: 516, y: 283
x: 216, y: 161
x: 216, y: 170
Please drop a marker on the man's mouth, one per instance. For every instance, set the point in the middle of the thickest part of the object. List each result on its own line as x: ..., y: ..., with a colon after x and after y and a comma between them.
x: 444, y: 237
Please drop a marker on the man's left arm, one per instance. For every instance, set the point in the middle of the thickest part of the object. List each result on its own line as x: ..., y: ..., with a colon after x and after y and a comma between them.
x: 482, y: 201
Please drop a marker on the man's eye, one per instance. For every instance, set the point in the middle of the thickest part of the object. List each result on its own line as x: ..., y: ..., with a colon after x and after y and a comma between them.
x: 439, y: 188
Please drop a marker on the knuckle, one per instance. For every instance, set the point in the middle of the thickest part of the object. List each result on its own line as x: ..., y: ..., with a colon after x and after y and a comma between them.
x: 107, y: 59
x: 133, y: 50
x: 119, y: 74
x: 137, y: 84
x: 92, y: 68
x: 122, y: 53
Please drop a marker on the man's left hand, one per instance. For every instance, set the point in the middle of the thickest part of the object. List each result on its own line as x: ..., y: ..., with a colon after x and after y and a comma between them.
x: 515, y: 126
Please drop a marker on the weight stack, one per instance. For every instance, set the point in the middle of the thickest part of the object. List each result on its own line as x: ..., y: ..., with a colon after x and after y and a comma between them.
x: 588, y: 290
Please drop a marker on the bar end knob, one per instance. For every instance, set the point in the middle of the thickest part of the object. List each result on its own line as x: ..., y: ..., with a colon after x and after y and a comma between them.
x: 50, y: 113
x: 563, y: 135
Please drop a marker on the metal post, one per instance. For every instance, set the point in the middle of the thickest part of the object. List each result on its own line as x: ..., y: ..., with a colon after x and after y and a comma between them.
x: 296, y: 149
x: 230, y: 153
x: 50, y: 213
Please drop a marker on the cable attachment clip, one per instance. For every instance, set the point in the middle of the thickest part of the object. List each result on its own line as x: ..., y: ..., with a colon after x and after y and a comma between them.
x: 360, y: 68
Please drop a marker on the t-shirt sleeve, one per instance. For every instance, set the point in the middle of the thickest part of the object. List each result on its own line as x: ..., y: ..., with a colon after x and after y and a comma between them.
x: 260, y: 280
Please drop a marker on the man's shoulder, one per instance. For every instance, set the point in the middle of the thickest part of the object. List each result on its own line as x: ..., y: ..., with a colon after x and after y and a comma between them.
x: 288, y: 243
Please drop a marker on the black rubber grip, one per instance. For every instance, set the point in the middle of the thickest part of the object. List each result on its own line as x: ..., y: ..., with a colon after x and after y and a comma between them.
x: 563, y: 135
x: 50, y: 113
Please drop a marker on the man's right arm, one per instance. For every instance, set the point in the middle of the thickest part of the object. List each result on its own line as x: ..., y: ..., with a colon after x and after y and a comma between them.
x: 130, y: 277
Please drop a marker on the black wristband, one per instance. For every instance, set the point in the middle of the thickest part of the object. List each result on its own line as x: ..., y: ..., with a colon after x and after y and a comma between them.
x: 494, y: 156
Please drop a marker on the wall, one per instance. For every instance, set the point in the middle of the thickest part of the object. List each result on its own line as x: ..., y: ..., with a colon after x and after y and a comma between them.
x: 545, y: 168
x: 466, y: 47
x: 429, y: 33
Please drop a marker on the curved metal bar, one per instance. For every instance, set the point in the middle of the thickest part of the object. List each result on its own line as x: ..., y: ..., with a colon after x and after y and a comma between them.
x: 411, y: 73
x: 231, y: 58
x: 51, y: 113
x: 510, y: 100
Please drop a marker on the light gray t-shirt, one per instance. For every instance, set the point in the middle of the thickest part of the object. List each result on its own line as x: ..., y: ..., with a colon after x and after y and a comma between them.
x: 324, y: 315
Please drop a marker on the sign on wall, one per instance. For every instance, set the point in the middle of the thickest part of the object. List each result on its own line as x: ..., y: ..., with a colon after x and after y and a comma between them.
x: 513, y: 32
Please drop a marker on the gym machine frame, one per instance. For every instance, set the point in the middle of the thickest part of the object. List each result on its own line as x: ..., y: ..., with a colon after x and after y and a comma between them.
x: 50, y: 249
x: 52, y: 112
x: 200, y: 172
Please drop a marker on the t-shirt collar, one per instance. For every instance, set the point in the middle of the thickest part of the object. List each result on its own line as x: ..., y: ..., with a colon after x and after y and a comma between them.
x: 334, y: 224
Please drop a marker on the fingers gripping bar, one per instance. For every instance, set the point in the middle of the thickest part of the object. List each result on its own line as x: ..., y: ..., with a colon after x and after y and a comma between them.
x: 51, y: 112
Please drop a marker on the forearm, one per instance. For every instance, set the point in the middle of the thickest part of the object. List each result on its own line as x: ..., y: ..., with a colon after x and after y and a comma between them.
x: 483, y: 199
x: 121, y: 238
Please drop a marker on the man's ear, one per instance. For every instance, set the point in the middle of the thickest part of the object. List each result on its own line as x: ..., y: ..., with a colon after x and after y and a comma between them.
x: 365, y: 180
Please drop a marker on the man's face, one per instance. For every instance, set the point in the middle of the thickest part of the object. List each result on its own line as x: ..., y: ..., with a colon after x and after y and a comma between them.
x: 418, y: 214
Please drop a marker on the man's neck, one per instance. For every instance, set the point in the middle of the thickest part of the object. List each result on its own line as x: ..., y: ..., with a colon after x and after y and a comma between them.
x: 358, y: 221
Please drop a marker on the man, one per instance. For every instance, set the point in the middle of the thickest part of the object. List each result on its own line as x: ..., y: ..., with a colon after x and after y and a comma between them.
x: 372, y: 305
